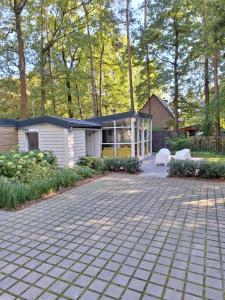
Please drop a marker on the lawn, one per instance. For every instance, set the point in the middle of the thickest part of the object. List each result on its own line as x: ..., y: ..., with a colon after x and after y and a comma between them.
x: 209, y: 156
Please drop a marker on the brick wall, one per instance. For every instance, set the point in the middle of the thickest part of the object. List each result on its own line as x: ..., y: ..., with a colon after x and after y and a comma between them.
x: 161, y: 116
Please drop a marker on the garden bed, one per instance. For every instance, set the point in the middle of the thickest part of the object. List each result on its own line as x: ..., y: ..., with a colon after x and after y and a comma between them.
x: 45, y: 197
x: 28, y: 178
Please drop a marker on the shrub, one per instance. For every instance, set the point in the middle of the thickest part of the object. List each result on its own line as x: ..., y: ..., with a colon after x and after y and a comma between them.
x: 92, y: 162
x: 183, y: 168
x: 129, y: 165
x: 178, y: 143
x: 202, y: 169
x: 27, y: 165
x: 85, y: 171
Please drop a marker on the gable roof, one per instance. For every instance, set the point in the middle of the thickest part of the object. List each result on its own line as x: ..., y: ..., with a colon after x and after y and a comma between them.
x: 162, y: 102
x: 58, y: 121
x: 8, y: 122
x: 119, y: 116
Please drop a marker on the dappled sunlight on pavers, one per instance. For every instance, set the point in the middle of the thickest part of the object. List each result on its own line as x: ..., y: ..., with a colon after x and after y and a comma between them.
x: 120, y: 237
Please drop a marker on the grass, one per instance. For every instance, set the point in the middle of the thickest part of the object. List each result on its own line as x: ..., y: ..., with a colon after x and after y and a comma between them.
x: 209, y: 156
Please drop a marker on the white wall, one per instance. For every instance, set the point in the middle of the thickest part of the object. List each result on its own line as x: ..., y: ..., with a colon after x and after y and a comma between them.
x: 93, y: 142
x: 51, y: 137
x: 76, y: 146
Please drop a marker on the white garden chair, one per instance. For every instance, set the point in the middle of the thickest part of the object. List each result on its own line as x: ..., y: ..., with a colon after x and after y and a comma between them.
x: 163, y: 157
x: 183, y: 154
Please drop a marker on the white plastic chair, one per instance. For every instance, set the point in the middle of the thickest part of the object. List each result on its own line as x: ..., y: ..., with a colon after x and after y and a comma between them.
x: 183, y: 154
x: 163, y: 157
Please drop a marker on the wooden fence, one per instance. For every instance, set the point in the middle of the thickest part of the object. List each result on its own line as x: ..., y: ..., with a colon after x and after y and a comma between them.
x: 8, y: 138
x: 159, y: 139
x: 207, y: 143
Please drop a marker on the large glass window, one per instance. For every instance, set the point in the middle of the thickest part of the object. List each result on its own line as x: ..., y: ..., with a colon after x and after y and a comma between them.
x: 108, y: 136
x: 123, y: 135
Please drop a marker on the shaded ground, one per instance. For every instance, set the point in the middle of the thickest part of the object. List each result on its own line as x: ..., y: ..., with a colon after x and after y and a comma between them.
x: 121, y: 237
x: 148, y: 168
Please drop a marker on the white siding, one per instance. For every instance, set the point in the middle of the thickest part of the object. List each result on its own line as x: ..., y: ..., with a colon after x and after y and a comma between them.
x: 51, y: 137
x: 76, y: 146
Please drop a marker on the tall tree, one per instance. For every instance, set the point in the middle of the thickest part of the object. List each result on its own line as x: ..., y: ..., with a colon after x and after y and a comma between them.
x: 147, y: 54
x: 17, y: 7
x: 129, y: 55
x: 93, y: 87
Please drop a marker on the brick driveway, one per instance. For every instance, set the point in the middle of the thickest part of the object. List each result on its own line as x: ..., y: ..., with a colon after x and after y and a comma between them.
x: 121, y: 237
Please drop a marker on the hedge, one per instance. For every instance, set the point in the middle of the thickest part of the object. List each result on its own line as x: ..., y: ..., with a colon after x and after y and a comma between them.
x: 201, y: 169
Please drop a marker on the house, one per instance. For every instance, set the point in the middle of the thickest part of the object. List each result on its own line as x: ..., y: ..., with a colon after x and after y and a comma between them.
x: 123, y: 135
x: 162, y: 116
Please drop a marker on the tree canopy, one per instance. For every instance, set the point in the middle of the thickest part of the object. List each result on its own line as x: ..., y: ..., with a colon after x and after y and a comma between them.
x: 84, y: 58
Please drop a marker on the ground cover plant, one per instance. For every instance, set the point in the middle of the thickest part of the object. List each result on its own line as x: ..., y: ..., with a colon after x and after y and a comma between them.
x: 202, y: 169
x: 28, y: 176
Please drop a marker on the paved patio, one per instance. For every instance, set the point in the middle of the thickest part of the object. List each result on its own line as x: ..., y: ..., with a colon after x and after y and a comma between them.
x: 121, y: 237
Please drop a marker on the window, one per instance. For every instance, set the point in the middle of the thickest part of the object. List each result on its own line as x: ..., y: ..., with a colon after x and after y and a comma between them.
x: 32, y: 140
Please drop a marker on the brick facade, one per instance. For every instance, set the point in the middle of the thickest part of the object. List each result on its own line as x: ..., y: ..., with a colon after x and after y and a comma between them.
x: 162, y: 116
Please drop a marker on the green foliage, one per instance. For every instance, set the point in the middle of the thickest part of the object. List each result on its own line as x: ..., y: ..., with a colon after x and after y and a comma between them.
x: 26, y: 166
x: 178, y: 143
x: 14, y: 192
x: 183, y: 168
x: 85, y: 171
x: 202, y: 169
x: 129, y: 165
x: 92, y: 162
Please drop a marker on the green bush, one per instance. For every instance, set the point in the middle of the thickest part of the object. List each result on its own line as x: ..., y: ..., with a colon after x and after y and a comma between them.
x: 202, y: 169
x: 85, y: 171
x: 178, y: 143
x: 14, y: 192
x: 92, y: 162
x: 129, y: 165
x: 26, y: 165
x: 183, y: 168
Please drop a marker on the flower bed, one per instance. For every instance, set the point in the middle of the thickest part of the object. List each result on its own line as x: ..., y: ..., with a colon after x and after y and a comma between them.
x: 28, y: 176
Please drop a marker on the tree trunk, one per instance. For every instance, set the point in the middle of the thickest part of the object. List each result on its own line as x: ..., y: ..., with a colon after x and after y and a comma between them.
x: 51, y: 82
x: 93, y: 91
x: 22, y: 62
x: 42, y: 64
x: 206, y: 92
x: 147, y: 58
x: 176, y: 77
x: 217, y: 100
x: 68, y: 86
x: 78, y: 96
x: 129, y: 56
x: 100, y: 77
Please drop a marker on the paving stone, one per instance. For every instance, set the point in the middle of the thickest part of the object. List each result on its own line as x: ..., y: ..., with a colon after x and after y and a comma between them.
x: 73, y: 292
x: 58, y: 287
x: 45, y: 282
x: 114, y: 291
x: 172, y: 295
x: 137, y: 284
x: 213, y: 294
x: 154, y: 289
x: 32, y: 293
x: 98, y: 285
x: 131, y: 295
